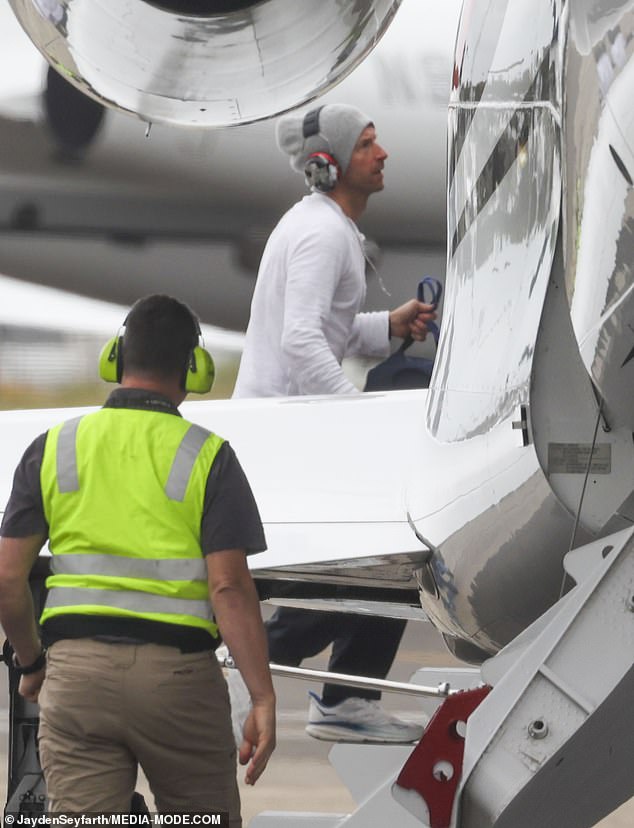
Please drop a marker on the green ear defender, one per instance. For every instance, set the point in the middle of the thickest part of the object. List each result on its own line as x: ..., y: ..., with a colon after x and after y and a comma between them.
x: 110, y: 364
x: 200, y: 371
x: 199, y: 376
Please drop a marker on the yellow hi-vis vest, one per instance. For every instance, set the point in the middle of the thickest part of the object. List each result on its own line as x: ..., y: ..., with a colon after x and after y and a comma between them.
x: 123, y: 493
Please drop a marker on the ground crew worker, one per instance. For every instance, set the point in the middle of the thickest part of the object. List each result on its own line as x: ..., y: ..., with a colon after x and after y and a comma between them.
x: 149, y: 519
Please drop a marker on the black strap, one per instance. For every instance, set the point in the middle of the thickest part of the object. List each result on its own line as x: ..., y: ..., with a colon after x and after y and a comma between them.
x: 311, y: 122
x: 35, y: 667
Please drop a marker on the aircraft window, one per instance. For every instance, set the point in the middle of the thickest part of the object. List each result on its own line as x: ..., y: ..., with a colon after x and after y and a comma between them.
x: 203, y: 7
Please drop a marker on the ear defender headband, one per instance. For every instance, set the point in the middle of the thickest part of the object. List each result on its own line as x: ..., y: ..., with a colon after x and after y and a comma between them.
x: 199, y: 374
x: 321, y: 170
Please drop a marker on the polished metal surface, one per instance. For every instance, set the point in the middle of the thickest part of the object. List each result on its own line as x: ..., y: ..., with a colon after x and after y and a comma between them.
x: 499, y: 569
x: 503, y: 212
x: 599, y: 202
x: 216, y: 64
x: 344, y: 680
x: 522, y: 114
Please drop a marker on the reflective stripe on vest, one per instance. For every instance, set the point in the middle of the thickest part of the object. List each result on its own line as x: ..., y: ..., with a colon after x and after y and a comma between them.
x: 136, y: 602
x: 183, y: 464
x: 67, y: 477
x: 176, y: 486
x: 116, y: 566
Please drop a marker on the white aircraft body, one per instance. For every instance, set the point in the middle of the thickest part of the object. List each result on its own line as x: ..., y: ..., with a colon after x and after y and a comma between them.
x: 505, y: 492
x: 88, y: 203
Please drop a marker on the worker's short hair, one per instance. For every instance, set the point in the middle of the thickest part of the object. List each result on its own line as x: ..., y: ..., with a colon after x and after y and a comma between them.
x: 160, y: 334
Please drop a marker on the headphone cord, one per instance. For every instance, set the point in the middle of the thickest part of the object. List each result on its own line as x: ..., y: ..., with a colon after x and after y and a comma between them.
x: 376, y: 272
x: 368, y: 260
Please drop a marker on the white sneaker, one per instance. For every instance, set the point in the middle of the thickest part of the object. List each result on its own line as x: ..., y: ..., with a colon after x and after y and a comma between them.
x: 358, y: 720
x: 238, y: 694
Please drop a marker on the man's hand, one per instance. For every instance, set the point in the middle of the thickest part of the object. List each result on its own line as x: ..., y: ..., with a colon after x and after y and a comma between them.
x: 17, y: 614
x: 30, y: 685
x: 258, y: 742
x: 411, y: 318
x: 237, y: 610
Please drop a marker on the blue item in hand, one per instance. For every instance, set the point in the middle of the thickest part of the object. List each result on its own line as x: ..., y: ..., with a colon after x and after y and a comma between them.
x: 400, y: 371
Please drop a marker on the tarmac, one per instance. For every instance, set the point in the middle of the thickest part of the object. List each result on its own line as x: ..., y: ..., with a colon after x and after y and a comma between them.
x: 299, y: 776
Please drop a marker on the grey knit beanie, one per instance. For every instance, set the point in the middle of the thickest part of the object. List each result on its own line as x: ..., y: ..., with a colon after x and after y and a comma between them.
x: 339, y: 128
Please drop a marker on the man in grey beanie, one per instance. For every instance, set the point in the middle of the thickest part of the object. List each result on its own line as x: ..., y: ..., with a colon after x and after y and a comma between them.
x: 305, y: 318
x: 331, y: 129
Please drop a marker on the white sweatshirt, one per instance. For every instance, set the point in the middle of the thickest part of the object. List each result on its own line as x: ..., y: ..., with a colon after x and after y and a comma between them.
x: 305, y: 313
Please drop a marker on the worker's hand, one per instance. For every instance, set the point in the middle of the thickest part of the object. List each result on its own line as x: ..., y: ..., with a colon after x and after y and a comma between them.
x: 411, y: 318
x: 30, y: 685
x: 258, y: 741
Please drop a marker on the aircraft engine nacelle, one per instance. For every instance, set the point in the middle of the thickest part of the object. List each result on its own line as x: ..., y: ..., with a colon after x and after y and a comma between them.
x: 204, y: 62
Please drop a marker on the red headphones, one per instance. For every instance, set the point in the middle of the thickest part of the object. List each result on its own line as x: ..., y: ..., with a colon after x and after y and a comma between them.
x: 321, y: 170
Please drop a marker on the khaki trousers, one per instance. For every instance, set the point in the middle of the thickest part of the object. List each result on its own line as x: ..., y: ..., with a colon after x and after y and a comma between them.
x: 107, y: 708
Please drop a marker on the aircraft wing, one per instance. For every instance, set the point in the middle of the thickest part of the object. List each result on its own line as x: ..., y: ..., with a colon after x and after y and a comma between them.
x: 329, y: 484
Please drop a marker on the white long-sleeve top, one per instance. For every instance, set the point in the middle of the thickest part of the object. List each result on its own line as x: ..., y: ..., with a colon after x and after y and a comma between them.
x: 305, y: 313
